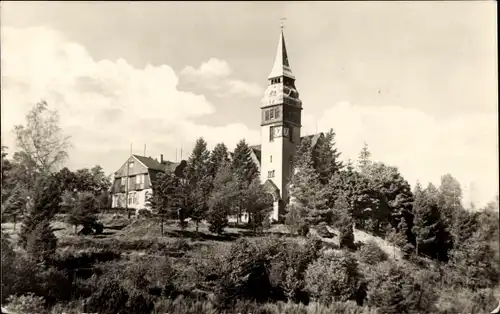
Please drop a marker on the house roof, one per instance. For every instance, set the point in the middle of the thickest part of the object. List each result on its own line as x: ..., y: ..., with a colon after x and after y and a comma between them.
x: 150, y: 163
x: 153, y: 164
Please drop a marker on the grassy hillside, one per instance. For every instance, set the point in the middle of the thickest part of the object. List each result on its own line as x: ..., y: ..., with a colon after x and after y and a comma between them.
x: 184, y: 259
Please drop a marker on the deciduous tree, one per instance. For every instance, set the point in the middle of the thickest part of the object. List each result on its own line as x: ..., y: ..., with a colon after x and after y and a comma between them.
x: 395, y: 199
x: 43, y: 146
x: 257, y: 203
x: 83, y: 211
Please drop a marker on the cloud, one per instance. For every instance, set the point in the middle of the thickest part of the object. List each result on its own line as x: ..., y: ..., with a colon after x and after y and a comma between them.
x: 107, y: 104
x: 422, y: 147
x: 214, y: 75
x: 104, y: 104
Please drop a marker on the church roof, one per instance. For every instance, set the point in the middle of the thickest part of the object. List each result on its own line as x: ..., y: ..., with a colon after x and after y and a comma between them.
x: 281, y: 65
x: 314, y: 141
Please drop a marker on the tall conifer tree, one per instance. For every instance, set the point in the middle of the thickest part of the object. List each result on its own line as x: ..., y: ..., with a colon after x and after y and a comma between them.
x: 364, y: 158
x: 305, y: 187
x: 327, y: 162
x: 244, y: 170
x: 432, y: 238
x: 199, y: 181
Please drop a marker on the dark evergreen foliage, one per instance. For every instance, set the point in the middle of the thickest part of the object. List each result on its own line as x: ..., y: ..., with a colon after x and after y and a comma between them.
x: 327, y: 161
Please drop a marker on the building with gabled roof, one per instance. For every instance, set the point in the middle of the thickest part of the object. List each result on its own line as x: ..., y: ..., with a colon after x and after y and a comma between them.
x: 281, y: 117
x: 135, y: 178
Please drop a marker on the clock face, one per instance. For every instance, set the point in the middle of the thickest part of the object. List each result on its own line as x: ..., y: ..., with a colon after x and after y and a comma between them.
x: 277, y: 131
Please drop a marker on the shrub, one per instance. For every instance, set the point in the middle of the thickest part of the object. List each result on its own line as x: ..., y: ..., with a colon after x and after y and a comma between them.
x: 54, y: 285
x: 73, y: 307
x: 407, y: 250
x: 295, y: 222
x: 98, y: 227
x: 42, y: 243
x: 346, y: 235
x: 24, y: 277
x: 44, y: 204
x: 371, y: 253
x: 475, y: 264
x: 70, y: 262
x: 181, y: 305
x: 323, y: 231
x: 110, y: 298
x: 244, y: 275
x: 266, y: 222
x: 394, y: 290
x: 144, y: 213
x: 333, y: 277
x: 28, y: 303
x: 217, y: 218
x: 8, y: 267
x: 452, y: 301
x: 83, y: 210
x: 139, y: 303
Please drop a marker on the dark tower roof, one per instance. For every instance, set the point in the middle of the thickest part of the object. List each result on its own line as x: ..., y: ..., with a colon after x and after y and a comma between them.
x: 281, y: 65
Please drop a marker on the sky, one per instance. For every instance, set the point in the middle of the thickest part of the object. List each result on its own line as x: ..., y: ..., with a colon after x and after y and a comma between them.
x: 416, y: 81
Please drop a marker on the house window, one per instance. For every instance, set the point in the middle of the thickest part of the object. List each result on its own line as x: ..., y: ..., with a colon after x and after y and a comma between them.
x: 131, y: 164
x: 139, y: 179
x: 277, y: 113
x: 123, y: 181
x: 271, y: 158
x: 266, y: 115
x: 271, y: 134
x: 133, y: 199
x: 270, y: 174
x: 271, y: 114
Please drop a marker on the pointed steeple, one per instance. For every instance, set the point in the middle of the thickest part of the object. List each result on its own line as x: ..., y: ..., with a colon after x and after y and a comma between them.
x: 281, y: 66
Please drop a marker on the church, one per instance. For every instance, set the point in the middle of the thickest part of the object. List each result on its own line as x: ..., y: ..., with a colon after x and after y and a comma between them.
x: 281, y: 111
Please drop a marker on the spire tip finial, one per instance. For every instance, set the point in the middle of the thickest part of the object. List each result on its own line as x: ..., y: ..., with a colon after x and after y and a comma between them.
x: 281, y: 23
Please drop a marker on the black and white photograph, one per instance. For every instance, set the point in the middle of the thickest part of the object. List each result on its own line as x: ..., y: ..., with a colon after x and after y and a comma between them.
x: 249, y: 157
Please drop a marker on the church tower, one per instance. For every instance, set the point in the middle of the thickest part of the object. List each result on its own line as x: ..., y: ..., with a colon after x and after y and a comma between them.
x: 280, y: 127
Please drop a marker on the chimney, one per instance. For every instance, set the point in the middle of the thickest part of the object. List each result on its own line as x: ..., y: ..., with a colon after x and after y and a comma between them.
x: 161, y: 159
